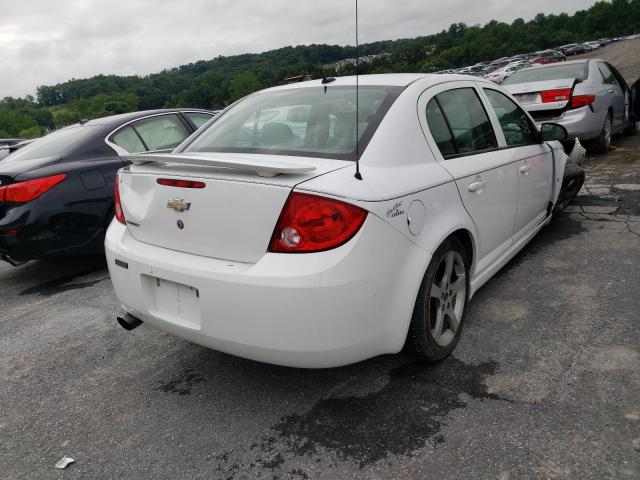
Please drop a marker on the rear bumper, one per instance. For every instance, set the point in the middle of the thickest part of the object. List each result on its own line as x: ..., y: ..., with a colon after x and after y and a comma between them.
x: 581, y: 123
x: 315, y: 310
x: 39, y: 229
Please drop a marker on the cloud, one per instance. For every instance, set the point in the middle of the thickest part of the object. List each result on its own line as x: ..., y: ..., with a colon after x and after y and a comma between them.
x: 43, y: 42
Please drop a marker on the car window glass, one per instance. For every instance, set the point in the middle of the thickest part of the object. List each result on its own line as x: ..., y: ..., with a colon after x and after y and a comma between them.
x: 578, y: 71
x: 327, y: 122
x: 55, y: 144
x: 439, y: 129
x: 515, y: 124
x: 128, y: 140
x: 467, y: 120
x: 162, y: 132
x: 606, y: 72
x: 198, y: 119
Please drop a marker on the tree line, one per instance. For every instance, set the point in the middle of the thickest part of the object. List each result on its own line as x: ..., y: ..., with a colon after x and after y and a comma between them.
x: 218, y: 82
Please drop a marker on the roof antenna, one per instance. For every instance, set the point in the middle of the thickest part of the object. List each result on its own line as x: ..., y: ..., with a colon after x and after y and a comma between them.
x: 357, y: 175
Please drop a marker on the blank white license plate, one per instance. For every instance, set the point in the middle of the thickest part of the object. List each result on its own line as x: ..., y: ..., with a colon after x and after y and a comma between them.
x: 173, y: 301
x: 526, y: 97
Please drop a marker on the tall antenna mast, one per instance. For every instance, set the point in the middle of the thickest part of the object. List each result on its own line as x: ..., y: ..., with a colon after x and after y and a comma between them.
x: 357, y: 175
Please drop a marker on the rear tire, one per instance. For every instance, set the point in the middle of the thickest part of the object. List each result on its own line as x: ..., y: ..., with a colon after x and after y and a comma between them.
x: 438, y: 314
x: 603, y: 142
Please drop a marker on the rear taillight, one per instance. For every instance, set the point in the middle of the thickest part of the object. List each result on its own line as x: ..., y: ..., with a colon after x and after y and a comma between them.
x: 557, y: 95
x: 172, y: 182
x: 309, y: 223
x: 23, y: 192
x: 117, y: 203
x: 578, y: 101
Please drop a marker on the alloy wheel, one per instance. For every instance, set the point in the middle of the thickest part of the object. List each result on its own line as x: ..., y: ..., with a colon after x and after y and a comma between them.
x: 447, y: 298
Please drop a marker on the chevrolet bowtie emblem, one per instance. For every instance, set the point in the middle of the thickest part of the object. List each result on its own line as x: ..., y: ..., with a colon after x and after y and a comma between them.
x: 178, y: 204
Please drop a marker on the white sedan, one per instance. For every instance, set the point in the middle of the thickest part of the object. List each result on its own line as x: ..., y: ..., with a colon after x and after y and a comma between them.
x: 256, y: 237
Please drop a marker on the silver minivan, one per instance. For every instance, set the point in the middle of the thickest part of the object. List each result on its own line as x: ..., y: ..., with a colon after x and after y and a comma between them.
x: 588, y: 97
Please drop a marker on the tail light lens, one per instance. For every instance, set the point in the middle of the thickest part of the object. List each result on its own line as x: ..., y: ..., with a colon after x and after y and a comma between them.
x: 309, y: 223
x: 578, y: 101
x: 171, y: 182
x: 117, y: 203
x: 23, y: 192
x: 557, y: 95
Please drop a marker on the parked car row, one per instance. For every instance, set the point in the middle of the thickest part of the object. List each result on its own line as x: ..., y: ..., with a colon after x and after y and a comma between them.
x: 543, y: 57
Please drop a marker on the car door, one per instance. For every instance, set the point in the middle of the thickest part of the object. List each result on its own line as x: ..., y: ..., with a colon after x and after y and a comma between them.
x: 617, y: 95
x: 463, y: 140
x: 533, y: 161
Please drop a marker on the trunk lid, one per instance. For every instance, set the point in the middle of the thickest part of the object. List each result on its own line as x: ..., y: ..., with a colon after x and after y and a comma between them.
x: 231, y: 218
x: 528, y: 94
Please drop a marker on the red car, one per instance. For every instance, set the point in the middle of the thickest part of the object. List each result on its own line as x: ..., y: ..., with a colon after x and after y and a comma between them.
x: 548, y: 56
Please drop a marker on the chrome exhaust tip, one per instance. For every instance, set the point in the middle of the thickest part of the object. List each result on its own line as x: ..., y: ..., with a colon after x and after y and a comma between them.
x: 128, y: 321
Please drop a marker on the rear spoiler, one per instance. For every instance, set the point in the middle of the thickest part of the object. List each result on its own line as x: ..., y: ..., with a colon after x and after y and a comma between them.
x: 264, y: 168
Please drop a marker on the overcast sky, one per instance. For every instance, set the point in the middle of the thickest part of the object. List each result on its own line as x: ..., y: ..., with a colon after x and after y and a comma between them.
x: 50, y: 41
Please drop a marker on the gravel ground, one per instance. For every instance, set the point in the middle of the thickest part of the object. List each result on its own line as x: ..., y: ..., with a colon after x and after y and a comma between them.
x: 545, y: 383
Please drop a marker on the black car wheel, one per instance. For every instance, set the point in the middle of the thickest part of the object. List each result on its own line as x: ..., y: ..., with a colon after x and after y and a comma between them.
x: 438, y: 314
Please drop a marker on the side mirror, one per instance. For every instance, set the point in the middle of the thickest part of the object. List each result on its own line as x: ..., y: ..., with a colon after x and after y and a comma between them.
x: 553, y: 131
x: 635, y: 101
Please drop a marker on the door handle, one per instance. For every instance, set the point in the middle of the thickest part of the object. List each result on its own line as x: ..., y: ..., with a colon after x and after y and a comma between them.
x: 612, y: 91
x: 525, y: 169
x: 477, y: 186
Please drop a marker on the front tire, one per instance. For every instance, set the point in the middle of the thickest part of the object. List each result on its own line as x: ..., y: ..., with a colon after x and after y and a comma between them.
x: 438, y: 314
x: 571, y: 185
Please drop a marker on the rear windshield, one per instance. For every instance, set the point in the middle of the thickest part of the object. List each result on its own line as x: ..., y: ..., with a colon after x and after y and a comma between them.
x: 312, y: 122
x: 52, y: 145
x: 579, y: 71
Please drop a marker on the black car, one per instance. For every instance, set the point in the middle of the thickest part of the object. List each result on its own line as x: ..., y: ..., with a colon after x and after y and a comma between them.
x: 576, y: 50
x: 56, y: 194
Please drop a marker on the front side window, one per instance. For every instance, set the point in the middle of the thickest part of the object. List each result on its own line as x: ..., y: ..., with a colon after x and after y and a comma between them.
x: 515, y: 124
x: 468, y: 123
x: 307, y: 121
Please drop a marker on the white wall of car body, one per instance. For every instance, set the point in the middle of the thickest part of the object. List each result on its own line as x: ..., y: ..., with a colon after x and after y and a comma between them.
x: 439, y: 184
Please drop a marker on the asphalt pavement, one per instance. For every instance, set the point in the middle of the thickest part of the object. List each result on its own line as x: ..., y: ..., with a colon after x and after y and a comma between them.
x: 544, y: 384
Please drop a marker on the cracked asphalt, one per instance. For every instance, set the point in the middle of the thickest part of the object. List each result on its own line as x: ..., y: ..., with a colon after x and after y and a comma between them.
x: 545, y: 382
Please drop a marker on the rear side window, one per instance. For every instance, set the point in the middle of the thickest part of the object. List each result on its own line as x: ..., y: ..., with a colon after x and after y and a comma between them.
x: 515, y: 124
x: 162, y: 132
x: 128, y: 139
x: 198, y: 119
x: 440, y: 129
x: 469, y: 126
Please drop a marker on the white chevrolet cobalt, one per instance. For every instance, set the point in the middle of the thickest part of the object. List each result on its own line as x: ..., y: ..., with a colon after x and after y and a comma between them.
x: 257, y: 237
